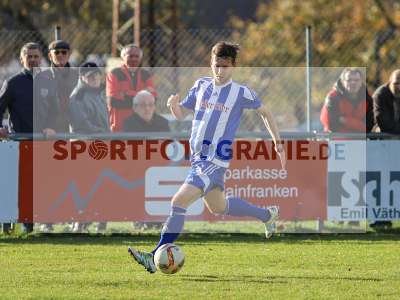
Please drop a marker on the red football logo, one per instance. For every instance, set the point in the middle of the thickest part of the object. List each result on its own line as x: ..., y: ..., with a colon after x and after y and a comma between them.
x: 98, y: 150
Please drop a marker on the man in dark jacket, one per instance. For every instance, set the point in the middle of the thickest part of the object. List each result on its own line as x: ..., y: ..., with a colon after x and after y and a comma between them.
x: 16, y: 95
x: 144, y: 118
x: 348, y: 106
x: 16, y: 92
x: 387, y: 105
x: 87, y: 106
x: 52, y: 88
x: 387, y: 116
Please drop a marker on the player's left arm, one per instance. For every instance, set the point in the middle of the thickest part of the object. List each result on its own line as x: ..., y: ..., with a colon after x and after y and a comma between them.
x: 272, y: 128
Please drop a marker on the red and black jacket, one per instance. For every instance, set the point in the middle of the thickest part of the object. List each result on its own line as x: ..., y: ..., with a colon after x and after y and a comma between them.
x: 341, y: 113
x: 121, y: 87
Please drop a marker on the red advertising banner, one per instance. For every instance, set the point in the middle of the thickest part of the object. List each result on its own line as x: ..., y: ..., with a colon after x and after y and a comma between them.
x: 135, y: 180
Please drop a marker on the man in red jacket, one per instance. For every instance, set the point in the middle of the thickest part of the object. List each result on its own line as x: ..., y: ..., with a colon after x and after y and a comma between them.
x: 348, y: 106
x: 123, y: 83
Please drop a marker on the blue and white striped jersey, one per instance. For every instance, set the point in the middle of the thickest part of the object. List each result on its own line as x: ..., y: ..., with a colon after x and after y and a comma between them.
x: 217, y: 112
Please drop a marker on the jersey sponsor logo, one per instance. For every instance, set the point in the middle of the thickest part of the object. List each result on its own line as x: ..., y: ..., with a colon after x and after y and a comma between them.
x: 204, y: 104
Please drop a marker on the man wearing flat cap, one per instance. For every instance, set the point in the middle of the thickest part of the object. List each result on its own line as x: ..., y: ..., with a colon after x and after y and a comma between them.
x: 52, y: 88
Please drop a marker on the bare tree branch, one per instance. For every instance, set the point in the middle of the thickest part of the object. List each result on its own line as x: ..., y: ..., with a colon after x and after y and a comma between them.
x: 385, y: 14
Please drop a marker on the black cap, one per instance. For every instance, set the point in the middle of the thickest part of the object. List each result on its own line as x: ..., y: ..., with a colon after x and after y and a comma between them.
x: 88, y: 68
x: 58, y: 44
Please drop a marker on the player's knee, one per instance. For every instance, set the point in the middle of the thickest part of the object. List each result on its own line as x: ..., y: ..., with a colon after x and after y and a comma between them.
x: 179, y: 201
x: 217, y: 210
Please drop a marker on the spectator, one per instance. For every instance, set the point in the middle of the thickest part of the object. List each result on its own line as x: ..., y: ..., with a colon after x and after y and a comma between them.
x: 348, y: 106
x: 387, y: 105
x: 123, y: 83
x: 52, y: 90
x: 144, y: 118
x: 16, y: 95
x: 87, y: 106
x: 88, y: 113
x: 387, y: 116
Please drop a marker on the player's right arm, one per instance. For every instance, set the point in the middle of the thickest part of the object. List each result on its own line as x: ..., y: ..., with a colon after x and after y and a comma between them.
x: 272, y: 128
x: 177, y: 110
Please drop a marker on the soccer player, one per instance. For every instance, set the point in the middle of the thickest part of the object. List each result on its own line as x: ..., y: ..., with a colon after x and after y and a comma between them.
x: 217, y: 104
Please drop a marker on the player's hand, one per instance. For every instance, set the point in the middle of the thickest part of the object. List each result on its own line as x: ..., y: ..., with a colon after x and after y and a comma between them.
x: 3, y: 132
x: 173, y: 100
x: 282, y: 155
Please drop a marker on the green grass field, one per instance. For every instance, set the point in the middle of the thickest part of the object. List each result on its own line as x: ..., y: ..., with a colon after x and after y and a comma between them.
x: 218, y: 266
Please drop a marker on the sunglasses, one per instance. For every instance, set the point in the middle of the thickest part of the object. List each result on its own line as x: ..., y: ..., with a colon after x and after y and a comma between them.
x: 63, y: 52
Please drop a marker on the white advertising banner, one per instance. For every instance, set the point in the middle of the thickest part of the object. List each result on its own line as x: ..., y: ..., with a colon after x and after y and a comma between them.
x: 9, y: 181
x: 364, y: 183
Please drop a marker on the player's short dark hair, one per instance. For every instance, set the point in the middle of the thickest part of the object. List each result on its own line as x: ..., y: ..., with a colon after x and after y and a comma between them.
x: 225, y: 50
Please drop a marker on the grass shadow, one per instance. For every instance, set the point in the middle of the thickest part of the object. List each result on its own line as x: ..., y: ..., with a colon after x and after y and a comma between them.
x: 233, y: 278
x: 271, y: 278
